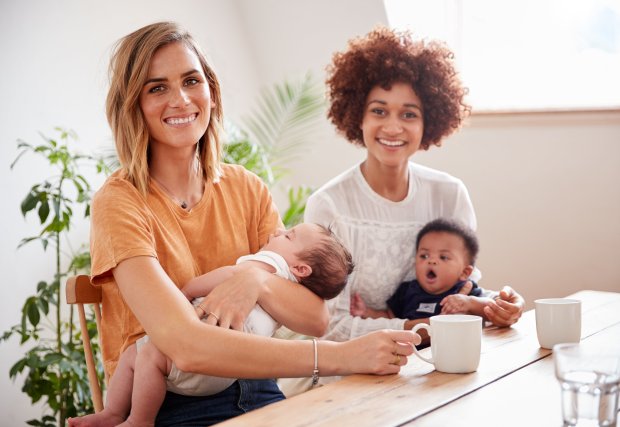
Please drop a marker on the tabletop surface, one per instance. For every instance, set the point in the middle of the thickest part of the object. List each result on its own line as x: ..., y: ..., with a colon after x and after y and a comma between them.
x: 514, y: 384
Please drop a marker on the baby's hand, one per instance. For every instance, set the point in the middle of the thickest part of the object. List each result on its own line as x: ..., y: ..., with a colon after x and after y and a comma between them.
x: 457, y: 303
x: 358, y: 306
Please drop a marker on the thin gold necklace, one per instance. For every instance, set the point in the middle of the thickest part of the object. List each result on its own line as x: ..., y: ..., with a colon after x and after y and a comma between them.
x: 181, y: 202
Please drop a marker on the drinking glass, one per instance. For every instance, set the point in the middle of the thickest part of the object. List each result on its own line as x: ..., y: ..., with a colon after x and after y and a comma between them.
x: 590, y: 380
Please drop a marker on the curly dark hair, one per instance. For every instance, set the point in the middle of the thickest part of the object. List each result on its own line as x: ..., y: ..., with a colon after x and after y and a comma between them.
x: 452, y: 226
x: 384, y: 57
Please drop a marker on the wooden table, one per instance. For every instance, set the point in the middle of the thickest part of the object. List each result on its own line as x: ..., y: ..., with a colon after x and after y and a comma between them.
x: 514, y: 385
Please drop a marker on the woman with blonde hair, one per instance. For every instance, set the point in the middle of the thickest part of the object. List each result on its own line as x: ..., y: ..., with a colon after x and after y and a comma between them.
x: 173, y: 212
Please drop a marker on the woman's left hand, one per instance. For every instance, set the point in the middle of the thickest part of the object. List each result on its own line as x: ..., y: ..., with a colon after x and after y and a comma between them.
x: 506, y: 309
x: 229, y: 304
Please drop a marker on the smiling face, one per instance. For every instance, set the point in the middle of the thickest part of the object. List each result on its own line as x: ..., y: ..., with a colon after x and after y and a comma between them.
x: 175, y: 99
x: 393, y: 125
x: 441, y: 261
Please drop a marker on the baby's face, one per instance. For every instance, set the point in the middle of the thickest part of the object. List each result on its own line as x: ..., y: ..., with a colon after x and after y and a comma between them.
x: 288, y: 243
x: 440, y: 262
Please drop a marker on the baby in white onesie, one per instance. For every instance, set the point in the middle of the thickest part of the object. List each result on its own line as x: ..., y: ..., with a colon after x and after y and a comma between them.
x: 308, y: 254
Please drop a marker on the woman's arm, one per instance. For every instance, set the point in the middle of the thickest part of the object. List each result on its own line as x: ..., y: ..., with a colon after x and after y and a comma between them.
x: 293, y: 305
x: 171, y: 324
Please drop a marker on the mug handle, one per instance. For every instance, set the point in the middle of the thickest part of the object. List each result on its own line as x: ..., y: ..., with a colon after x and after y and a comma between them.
x: 415, y: 350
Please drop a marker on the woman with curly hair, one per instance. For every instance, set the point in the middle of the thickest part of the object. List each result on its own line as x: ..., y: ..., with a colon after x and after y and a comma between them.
x: 394, y: 96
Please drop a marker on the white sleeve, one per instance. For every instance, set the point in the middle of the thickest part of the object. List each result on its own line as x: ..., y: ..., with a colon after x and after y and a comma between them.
x: 342, y: 326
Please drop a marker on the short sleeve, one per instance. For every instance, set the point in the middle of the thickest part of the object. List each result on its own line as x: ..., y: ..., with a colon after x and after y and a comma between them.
x: 120, y: 228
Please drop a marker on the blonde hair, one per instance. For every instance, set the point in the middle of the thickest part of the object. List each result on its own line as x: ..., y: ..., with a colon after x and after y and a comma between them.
x: 128, y: 71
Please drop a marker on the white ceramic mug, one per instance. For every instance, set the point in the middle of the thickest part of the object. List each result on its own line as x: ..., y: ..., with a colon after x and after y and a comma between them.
x: 558, y: 320
x: 455, y: 342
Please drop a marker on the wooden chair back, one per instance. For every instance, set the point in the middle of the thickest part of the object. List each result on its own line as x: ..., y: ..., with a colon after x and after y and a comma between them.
x: 80, y: 291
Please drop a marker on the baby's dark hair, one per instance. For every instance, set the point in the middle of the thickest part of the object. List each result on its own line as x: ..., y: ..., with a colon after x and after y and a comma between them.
x: 384, y: 57
x: 331, y: 265
x: 444, y: 225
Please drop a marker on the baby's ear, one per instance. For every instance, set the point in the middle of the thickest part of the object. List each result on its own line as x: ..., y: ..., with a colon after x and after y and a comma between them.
x: 466, y: 272
x: 301, y: 270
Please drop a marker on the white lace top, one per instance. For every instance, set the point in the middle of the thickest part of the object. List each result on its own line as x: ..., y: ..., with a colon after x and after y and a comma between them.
x: 381, y: 236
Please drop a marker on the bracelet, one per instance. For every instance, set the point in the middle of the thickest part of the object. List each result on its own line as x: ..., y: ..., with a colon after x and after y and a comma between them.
x: 315, y: 372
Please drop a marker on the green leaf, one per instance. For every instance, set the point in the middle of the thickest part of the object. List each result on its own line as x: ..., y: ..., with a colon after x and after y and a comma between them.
x: 17, y: 368
x: 19, y: 156
x: 52, y: 358
x: 32, y: 311
x: 29, y: 202
x: 41, y: 286
x: 286, y: 119
x: 43, y: 305
x: 297, y: 205
x: 44, y: 211
x: 26, y: 240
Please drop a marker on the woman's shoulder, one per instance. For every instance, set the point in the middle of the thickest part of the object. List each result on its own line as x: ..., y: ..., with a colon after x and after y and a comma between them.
x: 426, y: 176
x: 118, y: 196
x: 430, y: 174
x: 116, y: 186
x: 236, y: 174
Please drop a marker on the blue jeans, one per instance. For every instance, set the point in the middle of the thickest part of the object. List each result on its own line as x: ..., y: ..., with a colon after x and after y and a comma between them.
x: 193, y: 411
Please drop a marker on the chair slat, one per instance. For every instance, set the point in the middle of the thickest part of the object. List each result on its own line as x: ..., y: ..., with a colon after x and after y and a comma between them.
x: 80, y: 291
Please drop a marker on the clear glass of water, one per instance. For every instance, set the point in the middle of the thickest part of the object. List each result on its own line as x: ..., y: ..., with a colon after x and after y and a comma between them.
x: 590, y: 380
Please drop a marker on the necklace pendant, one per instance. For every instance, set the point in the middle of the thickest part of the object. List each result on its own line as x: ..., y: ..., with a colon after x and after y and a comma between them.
x: 183, y: 204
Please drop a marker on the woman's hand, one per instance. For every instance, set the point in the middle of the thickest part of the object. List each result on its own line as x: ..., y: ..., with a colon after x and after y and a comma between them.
x: 380, y: 352
x: 229, y: 304
x: 506, y: 309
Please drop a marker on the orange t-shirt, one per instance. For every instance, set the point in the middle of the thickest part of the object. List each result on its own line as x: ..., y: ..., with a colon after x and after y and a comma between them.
x: 234, y: 217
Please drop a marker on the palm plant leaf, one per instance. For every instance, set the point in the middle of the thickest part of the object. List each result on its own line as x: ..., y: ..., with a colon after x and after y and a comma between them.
x: 286, y: 118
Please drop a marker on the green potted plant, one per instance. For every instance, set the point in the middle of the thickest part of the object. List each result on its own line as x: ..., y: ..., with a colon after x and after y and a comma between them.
x: 54, y: 367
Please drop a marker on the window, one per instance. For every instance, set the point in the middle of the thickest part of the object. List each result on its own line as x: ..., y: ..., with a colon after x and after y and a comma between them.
x: 526, y: 54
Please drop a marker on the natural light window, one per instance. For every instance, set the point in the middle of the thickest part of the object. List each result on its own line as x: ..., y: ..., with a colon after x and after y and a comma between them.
x: 526, y: 54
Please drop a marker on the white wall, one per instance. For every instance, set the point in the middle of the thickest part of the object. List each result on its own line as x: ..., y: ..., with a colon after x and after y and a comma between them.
x: 545, y: 188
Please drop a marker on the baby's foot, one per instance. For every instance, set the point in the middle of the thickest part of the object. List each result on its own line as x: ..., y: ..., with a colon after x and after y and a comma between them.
x: 100, y: 419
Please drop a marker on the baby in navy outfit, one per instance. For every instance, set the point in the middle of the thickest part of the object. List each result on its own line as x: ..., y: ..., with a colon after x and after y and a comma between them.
x: 445, y: 254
